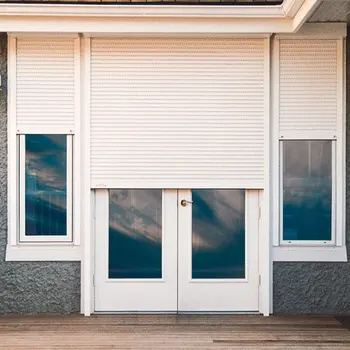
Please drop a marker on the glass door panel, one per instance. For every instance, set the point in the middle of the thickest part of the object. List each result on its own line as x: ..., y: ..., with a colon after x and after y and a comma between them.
x: 218, y: 250
x: 169, y: 250
x: 135, y: 234
x: 218, y: 234
x: 136, y: 250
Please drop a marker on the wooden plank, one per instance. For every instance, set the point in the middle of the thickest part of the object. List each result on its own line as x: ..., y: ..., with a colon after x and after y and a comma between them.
x: 172, y: 332
x: 169, y: 319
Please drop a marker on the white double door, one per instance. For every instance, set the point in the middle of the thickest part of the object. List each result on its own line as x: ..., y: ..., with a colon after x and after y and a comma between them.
x: 176, y: 251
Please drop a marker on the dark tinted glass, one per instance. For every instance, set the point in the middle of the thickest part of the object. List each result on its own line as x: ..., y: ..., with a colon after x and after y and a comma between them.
x: 46, y: 185
x: 218, y: 234
x: 307, y: 190
x: 135, y: 234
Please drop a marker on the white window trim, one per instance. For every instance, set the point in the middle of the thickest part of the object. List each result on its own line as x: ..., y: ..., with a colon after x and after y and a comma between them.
x: 311, y: 251
x: 69, y: 195
x: 41, y: 251
x: 314, y: 254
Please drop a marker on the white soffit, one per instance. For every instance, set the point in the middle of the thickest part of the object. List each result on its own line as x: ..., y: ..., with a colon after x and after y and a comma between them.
x: 104, y: 19
x: 331, y: 11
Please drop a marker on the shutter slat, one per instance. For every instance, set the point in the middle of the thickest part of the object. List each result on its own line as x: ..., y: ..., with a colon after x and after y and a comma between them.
x: 172, y: 112
x: 308, y: 86
x: 45, y: 82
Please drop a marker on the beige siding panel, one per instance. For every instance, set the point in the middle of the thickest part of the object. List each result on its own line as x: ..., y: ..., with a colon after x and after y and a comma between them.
x: 177, y: 113
x: 308, y: 86
x: 45, y: 82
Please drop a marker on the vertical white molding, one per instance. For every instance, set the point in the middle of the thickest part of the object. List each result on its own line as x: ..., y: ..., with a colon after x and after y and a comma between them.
x: 20, y: 185
x: 93, y: 245
x: 341, y: 144
x: 265, y: 260
x: 344, y: 67
x: 77, y: 147
x: 87, y: 267
x: 70, y: 213
x: 275, y: 149
x: 334, y: 205
x: 278, y: 203
x: 12, y: 176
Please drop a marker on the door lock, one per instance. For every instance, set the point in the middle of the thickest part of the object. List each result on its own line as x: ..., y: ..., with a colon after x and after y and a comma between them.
x: 184, y: 202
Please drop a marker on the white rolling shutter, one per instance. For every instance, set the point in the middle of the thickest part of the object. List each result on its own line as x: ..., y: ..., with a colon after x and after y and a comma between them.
x: 45, y: 78
x: 308, y: 87
x: 177, y: 112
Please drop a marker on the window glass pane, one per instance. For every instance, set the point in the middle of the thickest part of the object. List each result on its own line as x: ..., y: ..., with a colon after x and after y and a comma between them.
x: 307, y: 190
x: 218, y: 234
x: 45, y: 185
x: 135, y: 234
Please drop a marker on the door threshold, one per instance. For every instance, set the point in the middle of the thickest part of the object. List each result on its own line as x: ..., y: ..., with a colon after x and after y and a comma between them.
x: 218, y: 313
x: 177, y: 313
x: 135, y: 312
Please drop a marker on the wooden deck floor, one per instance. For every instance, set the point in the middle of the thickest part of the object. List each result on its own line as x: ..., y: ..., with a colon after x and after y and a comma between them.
x: 173, y: 332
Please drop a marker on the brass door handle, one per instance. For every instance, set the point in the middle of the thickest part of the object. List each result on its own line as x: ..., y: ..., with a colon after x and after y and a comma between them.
x: 184, y: 202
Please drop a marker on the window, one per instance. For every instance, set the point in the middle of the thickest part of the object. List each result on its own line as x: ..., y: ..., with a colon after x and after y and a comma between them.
x: 45, y: 188
x: 307, y: 191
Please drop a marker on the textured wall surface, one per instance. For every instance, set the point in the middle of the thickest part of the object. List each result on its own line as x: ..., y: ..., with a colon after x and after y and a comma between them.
x: 317, y: 288
x: 311, y: 288
x: 30, y: 287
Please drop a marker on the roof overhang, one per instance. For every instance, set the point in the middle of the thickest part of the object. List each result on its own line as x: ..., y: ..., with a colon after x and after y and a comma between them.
x: 177, y: 19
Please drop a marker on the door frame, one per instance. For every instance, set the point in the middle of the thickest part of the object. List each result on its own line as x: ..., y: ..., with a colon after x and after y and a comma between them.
x: 164, y: 289
x: 197, y: 295
x: 87, y: 212
x: 264, y: 260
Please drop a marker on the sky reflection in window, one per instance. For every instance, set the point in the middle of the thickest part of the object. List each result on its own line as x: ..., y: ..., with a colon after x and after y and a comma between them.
x: 307, y: 190
x: 218, y: 234
x: 135, y: 233
x: 46, y: 185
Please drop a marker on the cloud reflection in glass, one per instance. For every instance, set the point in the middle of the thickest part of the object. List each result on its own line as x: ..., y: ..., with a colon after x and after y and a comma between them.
x: 218, y: 234
x: 307, y: 190
x: 135, y: 233
x: 45, y: 185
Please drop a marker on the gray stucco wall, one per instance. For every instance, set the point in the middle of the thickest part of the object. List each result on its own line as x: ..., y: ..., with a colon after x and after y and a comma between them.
x: 35, y: 287
x: 317, y: 288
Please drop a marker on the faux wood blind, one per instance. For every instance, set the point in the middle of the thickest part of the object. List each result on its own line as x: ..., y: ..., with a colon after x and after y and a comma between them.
x: 177, y: 113
x: 45, y: 82
x: 308, y: 87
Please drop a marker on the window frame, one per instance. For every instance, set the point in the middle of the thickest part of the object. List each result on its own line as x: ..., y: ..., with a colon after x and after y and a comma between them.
x: 51, y: 250
x: 308, y: 243
x: 23, y: 238
x: 312, y: 252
